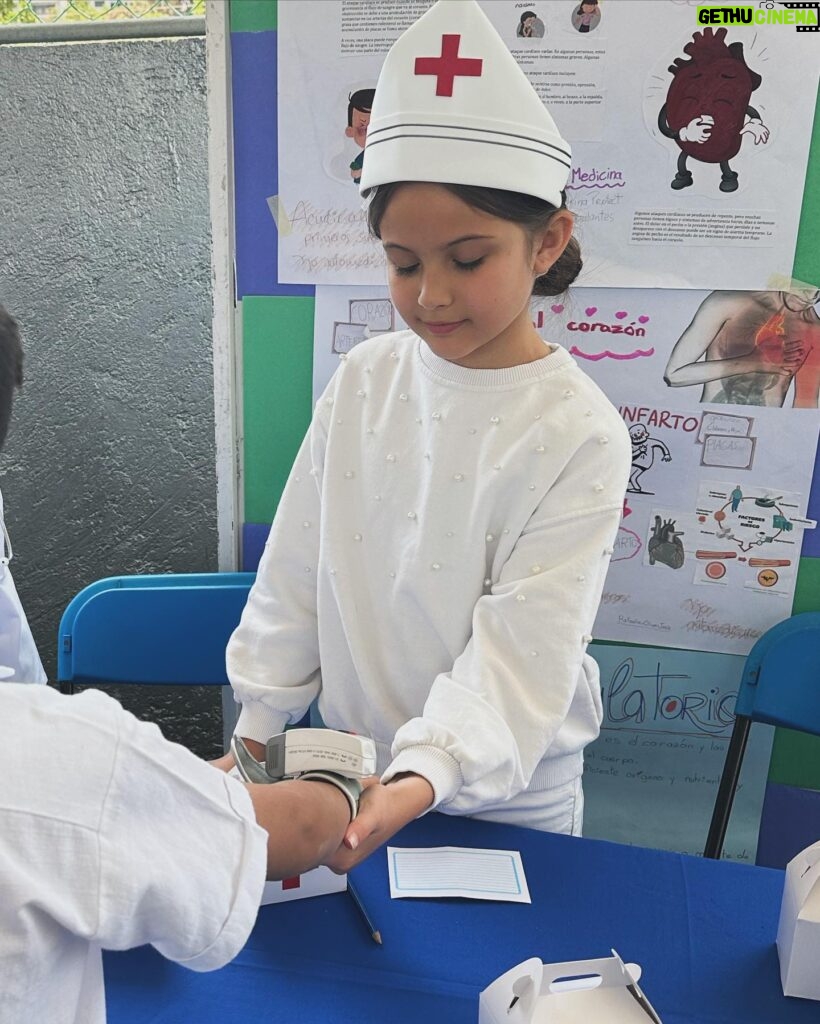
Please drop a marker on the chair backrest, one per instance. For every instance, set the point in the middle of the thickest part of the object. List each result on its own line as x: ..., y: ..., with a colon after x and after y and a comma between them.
x: 780, y: 686
x: 152, y: 629
x: 781, y: 677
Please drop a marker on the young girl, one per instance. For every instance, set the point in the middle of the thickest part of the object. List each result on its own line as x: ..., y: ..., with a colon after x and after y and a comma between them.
x: 438, y: 556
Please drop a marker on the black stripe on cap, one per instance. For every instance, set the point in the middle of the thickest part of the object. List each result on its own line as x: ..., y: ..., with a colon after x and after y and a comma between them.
x: 462, y: 138
x: 465, y: 128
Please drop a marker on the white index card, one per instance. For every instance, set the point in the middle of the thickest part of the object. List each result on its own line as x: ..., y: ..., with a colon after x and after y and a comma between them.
x: 457, y: 871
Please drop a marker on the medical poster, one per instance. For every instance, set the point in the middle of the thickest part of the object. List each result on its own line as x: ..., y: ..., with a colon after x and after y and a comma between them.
x: 651, y: 777
x: 342, y: 318
x: 719, y: 392
x: 690, y: 142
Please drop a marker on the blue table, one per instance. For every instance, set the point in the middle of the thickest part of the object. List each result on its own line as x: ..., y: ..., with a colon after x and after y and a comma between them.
x: 703, y: 931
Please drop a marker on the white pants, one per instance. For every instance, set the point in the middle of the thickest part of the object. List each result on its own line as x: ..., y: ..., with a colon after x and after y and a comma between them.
x: 550, y: 810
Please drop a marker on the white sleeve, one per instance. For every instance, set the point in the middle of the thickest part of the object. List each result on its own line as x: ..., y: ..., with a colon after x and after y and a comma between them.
x: 181, y: 859
x: 489, y: 721
x: 273, y: 655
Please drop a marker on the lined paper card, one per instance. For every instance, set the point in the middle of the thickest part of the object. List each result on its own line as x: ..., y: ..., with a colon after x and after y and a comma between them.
x: 457, y: 871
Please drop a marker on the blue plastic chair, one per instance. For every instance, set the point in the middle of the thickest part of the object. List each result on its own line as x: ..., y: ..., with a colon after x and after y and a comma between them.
x: 168, y: 629
x: 780, y: 686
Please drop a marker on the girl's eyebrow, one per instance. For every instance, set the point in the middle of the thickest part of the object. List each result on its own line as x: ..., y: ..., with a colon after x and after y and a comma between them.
x: 447, y: 245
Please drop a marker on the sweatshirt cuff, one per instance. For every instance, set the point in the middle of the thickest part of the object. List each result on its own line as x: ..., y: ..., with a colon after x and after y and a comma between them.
x: 441, y: 770
x: 259, y: 722
x: 252, y: 863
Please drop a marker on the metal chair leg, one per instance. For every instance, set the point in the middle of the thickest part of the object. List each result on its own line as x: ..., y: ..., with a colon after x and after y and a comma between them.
x: 727, y: 787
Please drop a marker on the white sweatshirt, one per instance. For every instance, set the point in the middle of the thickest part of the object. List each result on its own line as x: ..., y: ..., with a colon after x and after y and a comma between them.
x: 434, y: 569
x: 110, y: 838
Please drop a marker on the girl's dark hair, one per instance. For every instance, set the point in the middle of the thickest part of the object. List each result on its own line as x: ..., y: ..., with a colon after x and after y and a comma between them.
x: 532, y: 213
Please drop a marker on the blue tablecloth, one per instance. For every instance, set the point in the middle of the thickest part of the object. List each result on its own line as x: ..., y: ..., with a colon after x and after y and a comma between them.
x: 703, y: 932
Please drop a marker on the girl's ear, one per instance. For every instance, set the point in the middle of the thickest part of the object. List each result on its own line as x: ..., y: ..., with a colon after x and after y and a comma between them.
x: 551, y: 242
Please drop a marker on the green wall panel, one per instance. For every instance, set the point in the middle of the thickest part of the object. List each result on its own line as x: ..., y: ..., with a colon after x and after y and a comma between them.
x: 806, y: 263
x: 807, y: 591
x: 277, y: 394
x: 796, y: 756
x: 253, y: 15
x: 795, y: 759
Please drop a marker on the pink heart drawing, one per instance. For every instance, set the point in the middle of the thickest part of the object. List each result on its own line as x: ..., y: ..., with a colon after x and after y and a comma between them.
x: 621, y: 314
x: 557, y: 309
x: 643, y: 319
x: 591, y: 310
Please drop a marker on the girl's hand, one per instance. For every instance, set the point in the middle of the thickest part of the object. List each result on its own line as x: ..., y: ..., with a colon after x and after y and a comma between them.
x: 383, y: 810
x: 226, y: 762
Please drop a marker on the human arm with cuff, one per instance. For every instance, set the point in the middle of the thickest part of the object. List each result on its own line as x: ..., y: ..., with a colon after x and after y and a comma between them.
x: 518, y: 700
x: 305, y: 820
x: 273, y: 655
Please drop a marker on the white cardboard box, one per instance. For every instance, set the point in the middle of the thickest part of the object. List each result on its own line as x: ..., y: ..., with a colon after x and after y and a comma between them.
x: 317, y: 882
x: 798, y: 934
x: 601, y: 991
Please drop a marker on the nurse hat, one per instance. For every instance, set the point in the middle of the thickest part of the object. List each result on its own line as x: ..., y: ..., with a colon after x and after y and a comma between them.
x: 453, y: 106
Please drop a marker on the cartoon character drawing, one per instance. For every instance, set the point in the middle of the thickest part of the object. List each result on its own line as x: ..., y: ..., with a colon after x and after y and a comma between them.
x: 664, y: 545
x: 752, y: 348
x: 530, y: 26
x: 707, y: 109
x: 586, y: 15
x: 737, y: 497
x: 360, y: 103
x: 643, y: 456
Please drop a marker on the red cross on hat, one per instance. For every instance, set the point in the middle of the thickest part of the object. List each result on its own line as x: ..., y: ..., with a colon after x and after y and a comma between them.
x: 492, y: 132
x: 447, y: 66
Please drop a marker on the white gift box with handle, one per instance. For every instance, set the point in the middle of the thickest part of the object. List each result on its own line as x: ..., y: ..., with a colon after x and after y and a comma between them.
x: 798, y: 934
x: 603, y: 991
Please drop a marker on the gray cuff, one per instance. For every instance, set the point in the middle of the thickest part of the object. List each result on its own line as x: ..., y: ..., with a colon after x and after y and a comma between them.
x: 351, y: 788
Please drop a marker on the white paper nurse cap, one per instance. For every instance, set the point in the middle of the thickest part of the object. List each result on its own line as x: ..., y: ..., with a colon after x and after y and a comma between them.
x: 452, y: 105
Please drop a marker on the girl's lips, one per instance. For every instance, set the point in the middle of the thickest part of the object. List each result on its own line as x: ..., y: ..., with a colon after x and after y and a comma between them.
x: 443, y: 328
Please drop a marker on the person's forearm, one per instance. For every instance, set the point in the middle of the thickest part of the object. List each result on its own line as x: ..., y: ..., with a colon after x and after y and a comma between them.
x: 713, y: 369
x: 305, y: 822
x: 412, y: 793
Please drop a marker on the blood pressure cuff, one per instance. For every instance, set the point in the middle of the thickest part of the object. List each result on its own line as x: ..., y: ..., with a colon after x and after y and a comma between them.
x: 252, y: 770
x: 351, y: 788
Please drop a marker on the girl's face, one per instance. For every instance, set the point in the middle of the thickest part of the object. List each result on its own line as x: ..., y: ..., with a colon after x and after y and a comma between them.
x: 462, y: 279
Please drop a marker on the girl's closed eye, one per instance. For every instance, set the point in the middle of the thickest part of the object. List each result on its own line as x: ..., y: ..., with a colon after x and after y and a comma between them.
x: 469, y: 264
x: 405, y: 271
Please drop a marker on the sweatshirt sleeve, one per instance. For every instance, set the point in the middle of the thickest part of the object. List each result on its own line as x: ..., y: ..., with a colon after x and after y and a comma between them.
x: 273, y: 655
x: 505, y: 705
x: 181, y: 858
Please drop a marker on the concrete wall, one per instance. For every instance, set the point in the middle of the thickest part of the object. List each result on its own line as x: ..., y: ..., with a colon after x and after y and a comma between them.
x: 104, y: 260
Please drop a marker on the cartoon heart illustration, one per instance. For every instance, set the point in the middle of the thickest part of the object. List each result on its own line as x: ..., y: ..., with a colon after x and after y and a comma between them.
x: 591, y: 310
x: 621, y: 314
x: 557, y: 309
x: 643, y: 319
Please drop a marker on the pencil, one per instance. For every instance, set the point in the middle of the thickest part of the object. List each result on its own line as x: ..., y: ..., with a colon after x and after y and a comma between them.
x: 375, y: 934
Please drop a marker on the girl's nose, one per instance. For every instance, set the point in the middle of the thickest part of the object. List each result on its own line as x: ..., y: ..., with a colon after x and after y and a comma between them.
x: 434, y: 293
